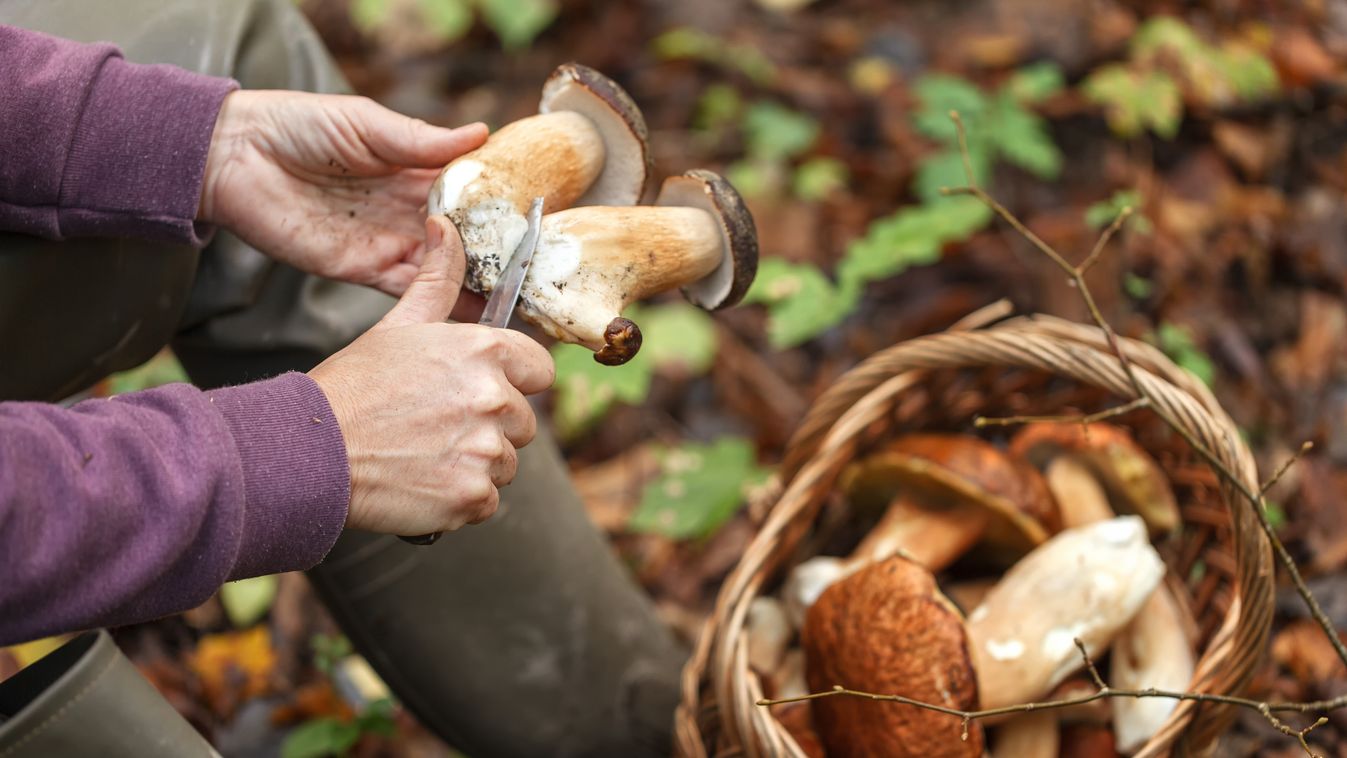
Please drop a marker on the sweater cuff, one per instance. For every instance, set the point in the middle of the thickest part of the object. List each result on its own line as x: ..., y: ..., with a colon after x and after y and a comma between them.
x: 297, y: 482
x: 138, y: 157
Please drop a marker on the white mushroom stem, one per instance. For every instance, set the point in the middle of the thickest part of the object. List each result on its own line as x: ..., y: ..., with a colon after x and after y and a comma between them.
x: 1028, y: 735
x: 1078, y: 493
x: 1152, y: 651
x: 933, y: 537
x: 807, y: 581
x: 768, y: 632
x: 1085, y: 583
x: 592, y: 262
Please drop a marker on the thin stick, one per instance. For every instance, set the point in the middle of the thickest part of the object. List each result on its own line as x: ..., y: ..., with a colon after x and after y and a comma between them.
x: 1305, y: 447
x: 1102, y: 242
x: 1091, y: 418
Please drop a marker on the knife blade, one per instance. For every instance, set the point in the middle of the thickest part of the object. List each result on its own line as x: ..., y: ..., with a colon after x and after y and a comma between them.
x: 502, y: 300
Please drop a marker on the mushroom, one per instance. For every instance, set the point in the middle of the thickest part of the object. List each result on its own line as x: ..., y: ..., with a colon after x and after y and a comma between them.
x: 592, y: 262
x: 1153, y: 650
x: 1028, y: 735
x: 768, y: 632
x: 796, y: 718
x: 1085, y: 583
x: 945, y: 493
x: 1134, y: 481
x: 886, y: 628
x: 587, y: 145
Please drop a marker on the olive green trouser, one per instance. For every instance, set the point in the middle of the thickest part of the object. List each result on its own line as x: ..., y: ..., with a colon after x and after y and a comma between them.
x: 520, y: 637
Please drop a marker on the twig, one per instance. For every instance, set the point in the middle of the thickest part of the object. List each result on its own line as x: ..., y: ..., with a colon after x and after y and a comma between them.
x: 1255, y: 499
x: 1104, y: 691
x: 1085, y: 420
x: 1305, y: 447
x: 1142, y: 399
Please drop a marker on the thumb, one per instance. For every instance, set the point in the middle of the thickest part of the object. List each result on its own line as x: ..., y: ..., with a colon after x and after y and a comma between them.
x: 433, y: 292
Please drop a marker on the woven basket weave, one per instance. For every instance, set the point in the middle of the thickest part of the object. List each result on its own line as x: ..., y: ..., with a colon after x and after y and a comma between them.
x: 1031, y: 365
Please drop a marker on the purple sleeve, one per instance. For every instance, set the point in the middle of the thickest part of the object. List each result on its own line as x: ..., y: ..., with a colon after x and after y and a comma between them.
x: 91, y: 145
x: 129, y: 508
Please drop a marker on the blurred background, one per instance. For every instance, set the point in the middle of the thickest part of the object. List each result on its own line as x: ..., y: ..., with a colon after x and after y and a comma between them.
x: 1222, y: 123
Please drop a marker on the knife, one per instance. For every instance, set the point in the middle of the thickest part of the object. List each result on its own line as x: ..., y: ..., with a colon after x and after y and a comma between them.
x: 500, y: 304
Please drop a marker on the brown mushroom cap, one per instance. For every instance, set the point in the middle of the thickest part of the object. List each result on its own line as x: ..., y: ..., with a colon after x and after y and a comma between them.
x: 578, y: 88
x: 957, y: 470
x: 1134, y: 481
x: 709, y: 191
x: 886, y: 628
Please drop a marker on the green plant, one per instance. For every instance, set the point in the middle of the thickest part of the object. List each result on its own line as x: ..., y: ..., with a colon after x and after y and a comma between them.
x: 803, y: 302
x: 162, y: 369
x: 515, y: 22
x: 700, y: 487
x: 1167, y: 63
x: 1102, y: 213
x: 332, y: 736
x: 1177, y: 342
x: 679, y: 338
x: 687, y: 43
x: 248, y: 600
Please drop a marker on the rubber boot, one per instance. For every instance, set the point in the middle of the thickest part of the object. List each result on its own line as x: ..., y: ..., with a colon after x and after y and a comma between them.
x: 523, y: 636
x: 520, y: 637
x: 86, y: 698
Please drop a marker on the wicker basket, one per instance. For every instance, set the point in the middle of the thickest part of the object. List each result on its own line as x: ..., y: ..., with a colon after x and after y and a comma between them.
x: 1030, y: 365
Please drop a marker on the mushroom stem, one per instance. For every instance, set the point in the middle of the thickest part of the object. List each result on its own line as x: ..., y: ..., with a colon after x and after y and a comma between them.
x: 592, y: 262
x: 1028, y: 735
x: 932, y: 537
x: 1152, y: 651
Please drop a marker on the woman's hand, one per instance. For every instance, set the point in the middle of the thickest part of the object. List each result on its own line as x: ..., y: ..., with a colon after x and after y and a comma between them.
x: 432, y: 413
x: 330, y: 184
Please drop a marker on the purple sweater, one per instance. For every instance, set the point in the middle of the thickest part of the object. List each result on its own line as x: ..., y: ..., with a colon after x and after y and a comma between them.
x: 125, y: 509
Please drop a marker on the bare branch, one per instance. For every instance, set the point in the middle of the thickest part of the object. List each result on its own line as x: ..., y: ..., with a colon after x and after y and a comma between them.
x: 1099, y: 246
x: 1091, y: 418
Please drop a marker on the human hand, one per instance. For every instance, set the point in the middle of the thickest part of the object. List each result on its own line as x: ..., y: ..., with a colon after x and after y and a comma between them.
x: 330, y: 184
x: 431, y: 412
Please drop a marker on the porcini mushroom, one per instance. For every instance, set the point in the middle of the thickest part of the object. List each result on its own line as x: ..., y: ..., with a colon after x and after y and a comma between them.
x: 592, y: 262
x: 1154, y: 650
x: 587, y: 145
x: 1085, y: 583
x: 1134, y: 481
x: 1028, y: 735
x: 886, y: 628
x: 945, y: 493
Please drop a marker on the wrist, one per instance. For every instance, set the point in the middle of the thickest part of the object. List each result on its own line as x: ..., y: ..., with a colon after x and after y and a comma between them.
x: 227, y: 145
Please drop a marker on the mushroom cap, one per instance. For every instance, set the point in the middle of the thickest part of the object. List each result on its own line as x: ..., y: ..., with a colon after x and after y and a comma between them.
x: 886, y: 628
x: 951, y: 470
x: 627, y: 162
x: 709, y: 191
x: 1133, y: 479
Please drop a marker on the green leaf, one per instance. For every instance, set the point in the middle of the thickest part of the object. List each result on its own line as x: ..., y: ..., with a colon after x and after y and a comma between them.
x: 448, y: 19
x: 1161, y: 32
x: 913, y: 236
x: 685, y: 42
x: 699, y: 488
x: 1276, y: 515
x: 1251, y: 75
x: 941, y: 93
x: 517, y: 22
x: 1137, y: 287
x: 818, y: 178
x: 775, y: 133
x: 756, y: 178
x: 676, y: 337
x: 801, y: 301
x: 1023, y: 139
x: 248, y: 600
x: 1035, y: 83
x: 1177, y: 342
x: 1134, y: 101
x: 378, y: 718
x: 162, y: 369
x: 369, y: 15
x: 328, y: 650
x: 320, y: 738
x: 946, y: 169
x: 719, y: 106
x: 1102, y: 213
